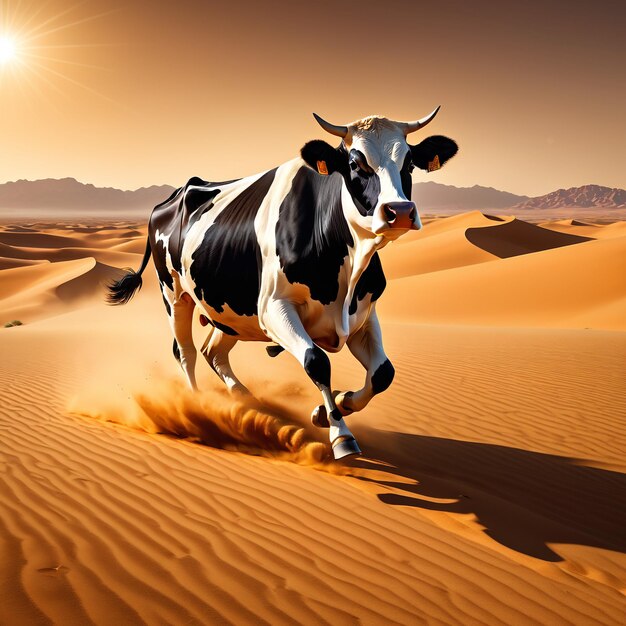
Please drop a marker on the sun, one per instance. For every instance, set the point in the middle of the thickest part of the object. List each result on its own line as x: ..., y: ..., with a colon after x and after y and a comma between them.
x: 8, y: 49
x: 39, y: 51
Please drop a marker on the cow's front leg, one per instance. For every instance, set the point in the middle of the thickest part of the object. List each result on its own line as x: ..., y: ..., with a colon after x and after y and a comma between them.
x: 367, y: 346
x: 282, y: 323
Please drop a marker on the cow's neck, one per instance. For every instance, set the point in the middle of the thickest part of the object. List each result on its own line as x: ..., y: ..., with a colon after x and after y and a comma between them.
x: 360, y: 255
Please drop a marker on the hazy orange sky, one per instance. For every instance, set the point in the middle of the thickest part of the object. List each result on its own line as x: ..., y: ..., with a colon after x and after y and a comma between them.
x: 133, y: 93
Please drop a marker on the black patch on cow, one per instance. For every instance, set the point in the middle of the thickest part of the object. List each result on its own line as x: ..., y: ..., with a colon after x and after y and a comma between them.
x: 312, y: 235
x: 226, y: 266
x: 176, y: 351
x: 437, y: 145
x: 336, y: 415
x: 317, y: 366
x: 318, y: 150
x: 158, y: 255
x: 227, y: 330
x: 197, y: 196
x: 274, y: 350
x: 383, y: 376
x: 201, y: 202
x: 371, y: 281
x: 168, y: 308
x: 405, y: 175
x: 363, y: 183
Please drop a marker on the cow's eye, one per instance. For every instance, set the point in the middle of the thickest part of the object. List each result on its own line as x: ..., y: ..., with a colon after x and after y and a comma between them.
x: 358, y: 163
x: 362, y: 168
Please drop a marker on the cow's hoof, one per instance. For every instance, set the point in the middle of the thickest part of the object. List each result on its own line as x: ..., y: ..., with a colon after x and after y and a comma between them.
x: 319, y: 417
x: 345, y: 446
x: 240, y: 391
x: 343, y: 401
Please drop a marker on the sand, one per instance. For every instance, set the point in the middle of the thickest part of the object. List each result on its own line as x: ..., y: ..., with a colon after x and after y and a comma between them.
x: 492, y: 489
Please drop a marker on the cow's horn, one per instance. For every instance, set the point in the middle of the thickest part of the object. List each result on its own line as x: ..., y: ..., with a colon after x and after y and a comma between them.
x: 411, y: 127
x: 339, y: 131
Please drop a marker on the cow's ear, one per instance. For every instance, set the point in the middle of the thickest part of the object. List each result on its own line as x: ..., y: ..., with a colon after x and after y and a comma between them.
x: 323, y: 158
x: 433, y: 152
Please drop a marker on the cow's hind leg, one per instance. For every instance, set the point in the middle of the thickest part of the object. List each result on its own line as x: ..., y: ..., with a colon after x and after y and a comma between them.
x: 283, y: 325
x: 180, y: 310
x: 367, y: 346
x: 215, y: 350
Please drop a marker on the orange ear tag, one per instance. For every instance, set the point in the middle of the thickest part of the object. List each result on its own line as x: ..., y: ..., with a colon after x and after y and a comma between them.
x: 321, y: 168
x: 434, y: 165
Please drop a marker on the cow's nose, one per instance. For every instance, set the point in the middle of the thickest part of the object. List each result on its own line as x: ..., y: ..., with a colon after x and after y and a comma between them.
x: 400, y: 214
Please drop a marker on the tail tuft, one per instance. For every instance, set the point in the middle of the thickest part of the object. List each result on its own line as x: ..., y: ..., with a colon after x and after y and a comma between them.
x: 122, y: 290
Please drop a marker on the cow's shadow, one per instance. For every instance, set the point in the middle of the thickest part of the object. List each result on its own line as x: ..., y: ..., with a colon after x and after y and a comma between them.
x: 524, y: 500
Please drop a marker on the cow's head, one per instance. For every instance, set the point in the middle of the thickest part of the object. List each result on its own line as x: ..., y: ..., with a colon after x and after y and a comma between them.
x: 376, y: 161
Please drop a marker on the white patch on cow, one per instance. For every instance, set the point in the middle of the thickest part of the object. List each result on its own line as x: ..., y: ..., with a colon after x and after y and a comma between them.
x: 159, y: 236
x: 274, y: 283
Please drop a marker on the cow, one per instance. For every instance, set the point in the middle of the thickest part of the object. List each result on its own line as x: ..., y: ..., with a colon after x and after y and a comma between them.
x: 290, y: 256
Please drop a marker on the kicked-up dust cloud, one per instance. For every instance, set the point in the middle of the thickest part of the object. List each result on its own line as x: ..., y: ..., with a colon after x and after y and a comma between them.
x: 211, y: 417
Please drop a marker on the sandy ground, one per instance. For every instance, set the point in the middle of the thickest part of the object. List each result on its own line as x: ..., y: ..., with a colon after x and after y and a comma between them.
x: 492, y: 489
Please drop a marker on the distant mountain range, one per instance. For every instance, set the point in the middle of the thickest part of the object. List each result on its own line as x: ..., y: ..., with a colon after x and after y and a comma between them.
x: 434, y: 196
x: 581, y: 197
x: 68, y: 196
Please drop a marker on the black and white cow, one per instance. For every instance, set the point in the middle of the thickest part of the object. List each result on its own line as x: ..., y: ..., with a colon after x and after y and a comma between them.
x: 290, y: 256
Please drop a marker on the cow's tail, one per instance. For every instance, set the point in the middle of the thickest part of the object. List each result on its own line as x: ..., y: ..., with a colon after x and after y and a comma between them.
x: 122, y: 290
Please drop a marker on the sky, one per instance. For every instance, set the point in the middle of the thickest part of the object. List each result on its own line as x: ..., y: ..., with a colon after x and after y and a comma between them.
x: 130, y: 93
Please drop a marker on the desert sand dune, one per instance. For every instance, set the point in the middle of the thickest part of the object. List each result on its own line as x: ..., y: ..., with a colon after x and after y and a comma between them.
x: 517, y: 237
x: 452, y: 519
x: 25, y: 280
x: 573, y: 286
x: 586, y: 229
x: 444, y: 243
x: 433, y: 253
x: 7, y: 263
x: 19, y: 229
x: 491, y: 490
x: 471, y: 219
x: 134, y: 246
x: 38, y: 240
x: 14, y: 252
x: 88, y: 285
x: 44, y: 289
x: 107, y: 254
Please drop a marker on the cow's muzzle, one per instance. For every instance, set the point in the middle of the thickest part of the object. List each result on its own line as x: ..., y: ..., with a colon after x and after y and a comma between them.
x: 401, y: 215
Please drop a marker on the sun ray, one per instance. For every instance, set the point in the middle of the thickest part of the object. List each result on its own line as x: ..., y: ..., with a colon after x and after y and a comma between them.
x: 33, y: 15
x: 74, y: 82
x: 51, y: 19
x: 42, y: 58
x: 41, y: 75
x: 68, y: 25
x: 26, y: 55
x: 73, y: 45
x: 27, y: 87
